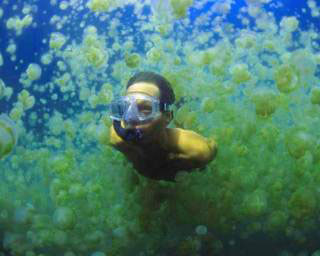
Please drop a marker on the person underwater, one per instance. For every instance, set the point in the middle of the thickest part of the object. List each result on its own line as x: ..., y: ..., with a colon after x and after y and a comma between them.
x: 139, y: 130
x: 8, y: 135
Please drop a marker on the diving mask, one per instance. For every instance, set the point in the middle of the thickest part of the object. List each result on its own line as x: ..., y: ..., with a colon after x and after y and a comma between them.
x: 136, y: 108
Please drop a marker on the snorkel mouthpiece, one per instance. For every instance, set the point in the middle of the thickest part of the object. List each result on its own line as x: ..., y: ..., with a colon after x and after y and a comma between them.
x: 127, y: 134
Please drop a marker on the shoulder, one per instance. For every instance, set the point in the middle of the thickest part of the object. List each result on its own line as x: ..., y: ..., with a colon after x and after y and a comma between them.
x: 193, y: 144
x: 180, y: 135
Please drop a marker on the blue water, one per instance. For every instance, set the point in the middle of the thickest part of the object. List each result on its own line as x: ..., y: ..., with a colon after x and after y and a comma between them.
x: 34, y: 42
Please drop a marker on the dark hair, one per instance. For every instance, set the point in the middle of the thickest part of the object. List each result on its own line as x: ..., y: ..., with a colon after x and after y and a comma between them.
x: 166, y: 92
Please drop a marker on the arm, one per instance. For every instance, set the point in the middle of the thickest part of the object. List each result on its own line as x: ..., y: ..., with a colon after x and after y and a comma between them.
x: 192, y: 150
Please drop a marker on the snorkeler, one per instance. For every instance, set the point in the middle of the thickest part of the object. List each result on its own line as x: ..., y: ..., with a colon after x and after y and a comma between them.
x: 140, y: 132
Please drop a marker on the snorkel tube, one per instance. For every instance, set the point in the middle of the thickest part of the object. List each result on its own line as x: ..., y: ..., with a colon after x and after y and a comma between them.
x: 127, y: 134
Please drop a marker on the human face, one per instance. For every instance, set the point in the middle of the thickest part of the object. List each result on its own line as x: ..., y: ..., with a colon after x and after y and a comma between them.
x: 154, y: 126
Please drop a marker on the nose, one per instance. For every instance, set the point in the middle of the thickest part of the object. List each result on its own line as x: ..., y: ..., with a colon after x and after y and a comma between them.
x: 130, y: 120
x: 130, y: 117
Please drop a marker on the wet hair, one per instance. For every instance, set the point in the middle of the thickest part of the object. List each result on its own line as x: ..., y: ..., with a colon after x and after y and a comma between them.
x: 166, y: 92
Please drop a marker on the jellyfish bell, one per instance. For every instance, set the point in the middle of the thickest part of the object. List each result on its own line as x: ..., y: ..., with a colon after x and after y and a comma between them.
x: 160, y: 7
x: 2, y: 89
x: 8, y: 135
x: 57, y: 40
x: 33, y: 71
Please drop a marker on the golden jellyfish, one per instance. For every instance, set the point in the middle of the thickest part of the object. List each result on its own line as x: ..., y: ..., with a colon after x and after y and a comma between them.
x: 8, y: 135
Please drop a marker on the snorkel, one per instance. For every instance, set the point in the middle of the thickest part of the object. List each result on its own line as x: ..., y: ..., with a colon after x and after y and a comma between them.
x: 127, y: 134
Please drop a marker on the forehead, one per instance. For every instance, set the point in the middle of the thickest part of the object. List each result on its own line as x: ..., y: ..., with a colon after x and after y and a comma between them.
x: 145, y: 88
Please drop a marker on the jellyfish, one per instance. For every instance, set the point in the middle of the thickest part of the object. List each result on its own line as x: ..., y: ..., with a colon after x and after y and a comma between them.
x: 8, y: 135
x: 33, y: 71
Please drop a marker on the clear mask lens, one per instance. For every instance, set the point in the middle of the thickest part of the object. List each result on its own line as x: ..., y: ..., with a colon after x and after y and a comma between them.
x: 135, y: 108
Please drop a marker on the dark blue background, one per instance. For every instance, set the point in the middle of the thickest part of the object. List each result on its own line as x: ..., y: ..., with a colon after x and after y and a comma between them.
x: 30, y: 46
